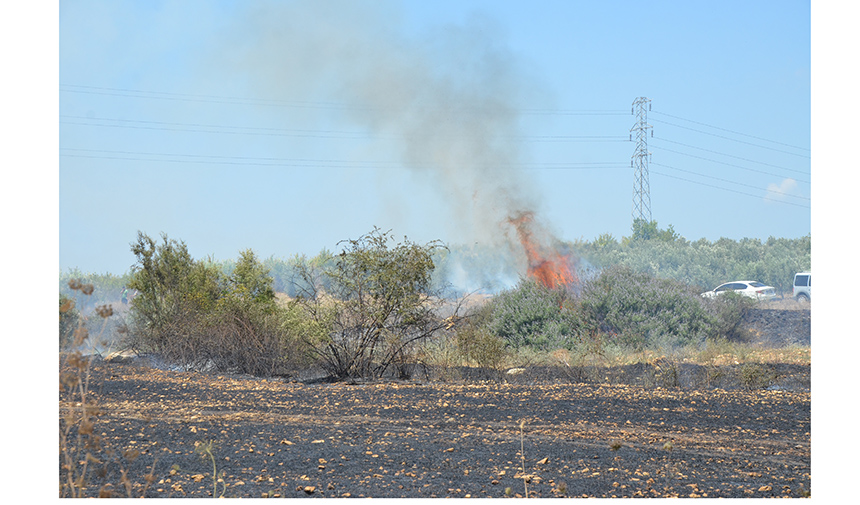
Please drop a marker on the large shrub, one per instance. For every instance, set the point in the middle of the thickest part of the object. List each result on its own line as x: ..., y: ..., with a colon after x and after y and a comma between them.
x: 533, y: 315
x: 375, y: 310
x: 174, y: 292
x: 191, y: 314
x: 477, y: 345
x: 638, y: 309
x: 245, y: 330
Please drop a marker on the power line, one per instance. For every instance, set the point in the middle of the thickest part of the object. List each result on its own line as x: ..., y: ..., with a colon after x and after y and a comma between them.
x: 730, y: 155
x: 322, y: 163
x: 731, y: 190
x: 186, y: 97
x: 733, y: 140
x: 302, y: 162
x: 564, y: 112
x: 768, y: 191
x: 280, y: 132
x: 732, y: 131
x: 731, y: 182
x: 730, y: 164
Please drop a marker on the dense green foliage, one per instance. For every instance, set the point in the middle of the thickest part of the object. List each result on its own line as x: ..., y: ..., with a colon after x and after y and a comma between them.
x: 643, y: 291
x: 192, y: 314
x: 626, y: 308
x: 532, y: 315
x: 639, y: 310
x: 703, y: 264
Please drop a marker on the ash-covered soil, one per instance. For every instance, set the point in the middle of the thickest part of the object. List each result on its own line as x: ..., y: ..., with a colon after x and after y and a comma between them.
x: 658, y: 429
x: 627, y: 436
x: 779, y: 325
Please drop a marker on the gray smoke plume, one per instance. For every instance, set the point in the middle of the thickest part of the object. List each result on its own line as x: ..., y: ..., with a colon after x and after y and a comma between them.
x: 449, y: 100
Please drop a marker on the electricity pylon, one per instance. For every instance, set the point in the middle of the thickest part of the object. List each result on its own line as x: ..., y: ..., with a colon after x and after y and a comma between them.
x: 639, y: 161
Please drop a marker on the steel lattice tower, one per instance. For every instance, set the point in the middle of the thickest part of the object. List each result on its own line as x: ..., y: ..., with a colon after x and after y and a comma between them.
x: 639, y: 161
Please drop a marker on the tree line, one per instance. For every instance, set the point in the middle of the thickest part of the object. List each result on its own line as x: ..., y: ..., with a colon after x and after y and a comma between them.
x: 371, y: 309
x: 702, y: 263
x: 661, y: 253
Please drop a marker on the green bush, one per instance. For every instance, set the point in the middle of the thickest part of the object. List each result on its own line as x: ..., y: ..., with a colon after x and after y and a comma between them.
x: 532, y: 315
x: 376, y: 309
x: 481, y: 347
x: 175, y: 291
x: 617, y: 308
x: 639, y: 310
x: 245, y: 328
x: 727, y: 312
x: 191, y: 314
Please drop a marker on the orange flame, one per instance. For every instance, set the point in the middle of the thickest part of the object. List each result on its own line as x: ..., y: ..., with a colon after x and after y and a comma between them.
x: 546, y: 264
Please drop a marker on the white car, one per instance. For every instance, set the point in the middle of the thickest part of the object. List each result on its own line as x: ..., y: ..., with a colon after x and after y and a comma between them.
x: 752, y: 289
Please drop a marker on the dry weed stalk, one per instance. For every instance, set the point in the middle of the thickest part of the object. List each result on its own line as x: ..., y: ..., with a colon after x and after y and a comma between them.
x: 79, y: 413
x: 205, y: 449
x: 523, y: 457
x: 79, y: 444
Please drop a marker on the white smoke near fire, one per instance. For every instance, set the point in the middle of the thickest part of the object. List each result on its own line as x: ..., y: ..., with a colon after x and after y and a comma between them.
x: 450, y: 100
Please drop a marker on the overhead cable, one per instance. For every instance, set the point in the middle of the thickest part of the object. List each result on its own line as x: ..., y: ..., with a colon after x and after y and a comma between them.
x: 733, y: 140
x: 302, y: 162
x: 730, y: 156
x: 729, y: 181
x: 731, y: 190
x: 731, y: 131
x: 186, y: 97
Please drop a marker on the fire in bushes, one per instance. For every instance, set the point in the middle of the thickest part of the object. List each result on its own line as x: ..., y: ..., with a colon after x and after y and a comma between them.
x: 546, y: 262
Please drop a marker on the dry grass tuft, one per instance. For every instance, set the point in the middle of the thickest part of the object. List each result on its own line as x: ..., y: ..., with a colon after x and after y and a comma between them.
x: 83, y: 451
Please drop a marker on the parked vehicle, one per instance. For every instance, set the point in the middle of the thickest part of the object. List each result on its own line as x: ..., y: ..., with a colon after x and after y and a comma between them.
x: 752, y: 289
x: 802, y: 286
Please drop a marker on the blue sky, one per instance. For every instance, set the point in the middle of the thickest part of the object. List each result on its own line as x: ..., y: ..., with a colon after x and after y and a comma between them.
x: 285, y: 127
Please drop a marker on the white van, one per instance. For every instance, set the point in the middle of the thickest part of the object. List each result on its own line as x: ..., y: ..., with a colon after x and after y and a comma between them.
x: 802, y: 286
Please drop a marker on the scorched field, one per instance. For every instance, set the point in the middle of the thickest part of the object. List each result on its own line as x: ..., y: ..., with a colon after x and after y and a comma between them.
x: 185, y: 434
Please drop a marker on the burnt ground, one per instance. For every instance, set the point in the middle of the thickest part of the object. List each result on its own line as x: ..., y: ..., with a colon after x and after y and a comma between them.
x: 778, y: 326
x: 649, y: 430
